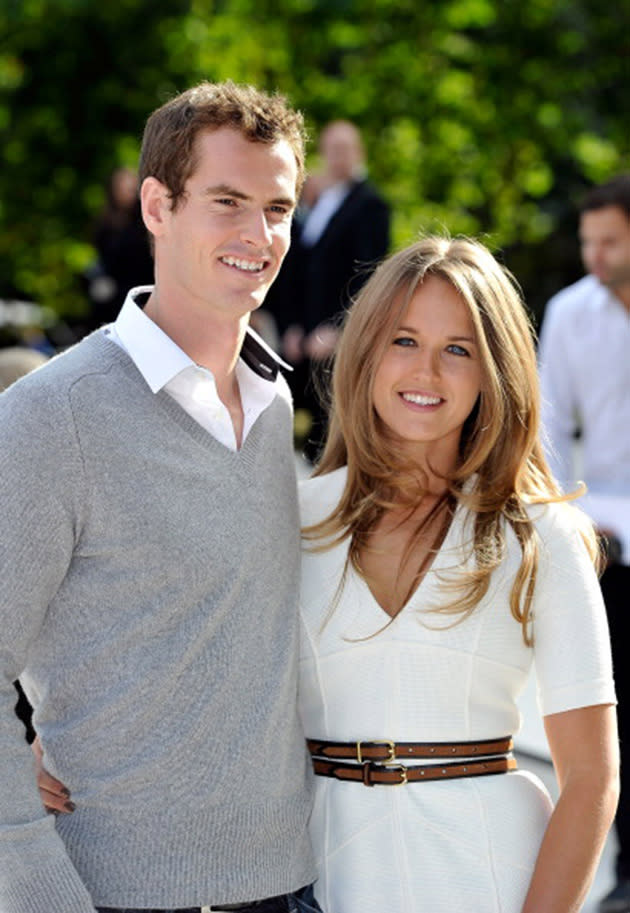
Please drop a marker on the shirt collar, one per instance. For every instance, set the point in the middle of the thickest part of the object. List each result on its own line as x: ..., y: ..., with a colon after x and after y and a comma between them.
x: 603, y: 297
x: 159, y: 359
x: 260, y: 358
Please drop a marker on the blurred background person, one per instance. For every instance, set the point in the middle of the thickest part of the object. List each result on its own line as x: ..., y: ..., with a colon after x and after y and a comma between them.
x: 340, y: 234
x: 123, y: 254
x: 16, y: 361
x: 585, y: 381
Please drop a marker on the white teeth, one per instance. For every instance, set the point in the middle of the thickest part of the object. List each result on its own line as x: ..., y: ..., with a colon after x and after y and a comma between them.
x: 247, y: 265
x: 421, y: 400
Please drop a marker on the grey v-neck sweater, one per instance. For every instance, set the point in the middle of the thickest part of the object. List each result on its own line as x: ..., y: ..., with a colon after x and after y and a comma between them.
x: 148, y: 602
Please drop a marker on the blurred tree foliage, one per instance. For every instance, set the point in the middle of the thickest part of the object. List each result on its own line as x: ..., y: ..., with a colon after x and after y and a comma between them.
x: 488, y: 117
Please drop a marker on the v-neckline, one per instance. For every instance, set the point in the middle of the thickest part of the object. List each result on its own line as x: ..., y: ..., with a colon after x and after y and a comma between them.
x: 245, y: 456
x: 433, y: 565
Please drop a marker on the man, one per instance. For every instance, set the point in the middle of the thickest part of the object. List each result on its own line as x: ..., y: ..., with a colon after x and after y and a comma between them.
x: 585, y: 378
x: 342, y: 238
x: 149, y: 557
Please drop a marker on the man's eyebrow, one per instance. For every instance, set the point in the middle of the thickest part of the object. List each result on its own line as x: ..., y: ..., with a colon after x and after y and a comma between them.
x: 284, y: 201
x: 228, y: 191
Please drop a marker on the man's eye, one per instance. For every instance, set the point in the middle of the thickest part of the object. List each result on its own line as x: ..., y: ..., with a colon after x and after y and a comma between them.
x: 226, y: 201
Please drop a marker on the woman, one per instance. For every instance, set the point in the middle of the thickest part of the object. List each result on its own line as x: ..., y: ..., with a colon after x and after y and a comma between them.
x: 440, y: 560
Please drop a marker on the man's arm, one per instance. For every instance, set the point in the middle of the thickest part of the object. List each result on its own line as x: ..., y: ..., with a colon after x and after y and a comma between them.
x: 39, y: 473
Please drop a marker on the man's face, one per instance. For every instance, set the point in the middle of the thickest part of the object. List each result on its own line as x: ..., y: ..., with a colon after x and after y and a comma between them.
x: 340, y: 147
x: 605, y: 244
x: 224, y: 244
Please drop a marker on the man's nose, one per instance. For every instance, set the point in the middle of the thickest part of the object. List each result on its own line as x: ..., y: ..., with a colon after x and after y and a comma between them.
x: 256, y: 229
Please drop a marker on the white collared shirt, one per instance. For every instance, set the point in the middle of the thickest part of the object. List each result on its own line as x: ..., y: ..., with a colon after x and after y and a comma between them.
x: 166, y: 367
x: 327, y: 204
x: 584, y: 356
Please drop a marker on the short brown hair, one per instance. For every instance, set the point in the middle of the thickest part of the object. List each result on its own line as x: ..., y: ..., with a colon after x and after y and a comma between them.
x: 168, y: 144
x: 615, y: 192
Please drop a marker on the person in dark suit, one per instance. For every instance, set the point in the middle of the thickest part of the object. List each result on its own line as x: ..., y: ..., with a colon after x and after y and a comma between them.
x: 124, y: 257
x: 338, y: 239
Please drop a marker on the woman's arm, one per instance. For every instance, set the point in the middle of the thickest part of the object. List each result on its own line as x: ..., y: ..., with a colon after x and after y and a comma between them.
x: 585, y: 754
x: 54, y: 795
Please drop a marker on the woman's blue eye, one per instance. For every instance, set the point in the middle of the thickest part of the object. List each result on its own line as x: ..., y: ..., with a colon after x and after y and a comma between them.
x: 457, y: 350
x: 404, y: 341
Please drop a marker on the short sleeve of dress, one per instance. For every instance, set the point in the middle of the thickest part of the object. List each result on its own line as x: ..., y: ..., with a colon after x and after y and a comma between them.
x: 570, y: 629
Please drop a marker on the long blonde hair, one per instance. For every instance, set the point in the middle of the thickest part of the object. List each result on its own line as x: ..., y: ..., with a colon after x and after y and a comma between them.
x: 499, y: 447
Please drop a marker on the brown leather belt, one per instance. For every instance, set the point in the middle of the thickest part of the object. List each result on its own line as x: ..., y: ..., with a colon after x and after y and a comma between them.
x: 388, y: 752
x: 397, y: 774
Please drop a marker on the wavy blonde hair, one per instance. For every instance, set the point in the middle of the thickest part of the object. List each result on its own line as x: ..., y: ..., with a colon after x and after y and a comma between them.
x: 500, y: 450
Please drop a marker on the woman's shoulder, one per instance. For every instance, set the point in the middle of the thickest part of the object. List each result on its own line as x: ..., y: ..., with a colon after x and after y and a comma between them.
x: 559, y: 524
x: 320, y: 494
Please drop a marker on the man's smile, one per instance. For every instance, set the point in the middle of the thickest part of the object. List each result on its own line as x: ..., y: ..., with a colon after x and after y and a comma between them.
x: 248, y: 266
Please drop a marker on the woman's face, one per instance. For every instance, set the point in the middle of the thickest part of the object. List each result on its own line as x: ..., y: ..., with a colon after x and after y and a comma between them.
x: 430, y: 376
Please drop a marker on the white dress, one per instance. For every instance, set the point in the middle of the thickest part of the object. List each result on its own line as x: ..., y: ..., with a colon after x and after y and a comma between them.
x: 458, y: 845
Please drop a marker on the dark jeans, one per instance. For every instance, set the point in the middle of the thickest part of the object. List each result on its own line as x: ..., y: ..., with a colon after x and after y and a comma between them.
x: 616, y: 591
x: 302, y: 901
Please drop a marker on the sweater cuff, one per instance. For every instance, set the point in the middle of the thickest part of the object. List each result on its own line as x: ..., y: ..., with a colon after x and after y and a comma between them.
x: 37, y: 874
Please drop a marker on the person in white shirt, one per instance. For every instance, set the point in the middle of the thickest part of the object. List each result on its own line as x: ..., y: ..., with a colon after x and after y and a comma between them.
x: 585, y: 382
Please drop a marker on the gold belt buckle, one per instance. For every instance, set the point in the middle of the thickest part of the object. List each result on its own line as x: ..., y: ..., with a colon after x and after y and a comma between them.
x: 391, y: 747
x: 402, y: 770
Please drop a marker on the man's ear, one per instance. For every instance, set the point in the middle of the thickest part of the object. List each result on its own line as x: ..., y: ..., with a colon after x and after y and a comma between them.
x: 156, y: 205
